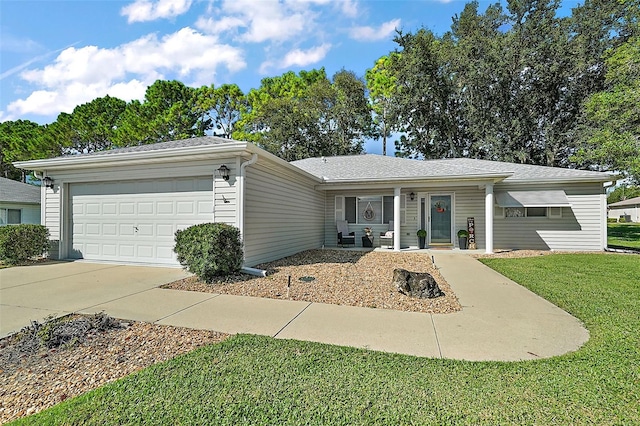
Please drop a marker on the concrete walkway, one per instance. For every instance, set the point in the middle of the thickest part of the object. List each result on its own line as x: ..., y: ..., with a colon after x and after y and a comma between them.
x: 500, y: 320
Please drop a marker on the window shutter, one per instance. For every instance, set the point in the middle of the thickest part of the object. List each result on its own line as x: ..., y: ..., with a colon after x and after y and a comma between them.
x: 339, y: 210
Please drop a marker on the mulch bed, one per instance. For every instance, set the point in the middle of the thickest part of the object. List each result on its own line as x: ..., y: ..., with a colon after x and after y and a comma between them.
x: 352, y: 278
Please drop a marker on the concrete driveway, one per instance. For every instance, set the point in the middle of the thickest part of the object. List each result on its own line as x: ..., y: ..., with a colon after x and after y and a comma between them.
x: 32, y: 293
x: 500, y: 320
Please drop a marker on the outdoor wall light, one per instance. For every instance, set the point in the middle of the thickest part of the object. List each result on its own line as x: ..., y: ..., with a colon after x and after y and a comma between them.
x: 412, y: 196
x: 223, y: 171
x: 48, y: 182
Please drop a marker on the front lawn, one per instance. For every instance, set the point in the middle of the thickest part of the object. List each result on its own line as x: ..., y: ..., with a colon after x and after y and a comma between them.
x: 624, y: 235
x: 259, y: 380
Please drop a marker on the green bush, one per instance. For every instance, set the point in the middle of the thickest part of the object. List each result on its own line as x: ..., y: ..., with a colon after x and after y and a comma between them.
x: 210, y: 250
x: 612, y: 220
x: 18, y: 243
x: 622, y: 220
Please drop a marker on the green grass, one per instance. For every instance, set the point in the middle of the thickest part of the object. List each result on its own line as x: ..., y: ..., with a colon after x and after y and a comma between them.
x: 259, y: 380
x: 624, y: 235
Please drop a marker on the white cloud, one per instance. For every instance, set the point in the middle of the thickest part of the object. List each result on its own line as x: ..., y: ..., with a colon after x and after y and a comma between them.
x: 374, y: 34
x: 260, y: 21
x: 83, y: 74
x: 301, y: 58
x: 147, y: 10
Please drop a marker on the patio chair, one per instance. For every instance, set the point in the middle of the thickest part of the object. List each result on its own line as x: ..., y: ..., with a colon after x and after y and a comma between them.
x: 386, y: 238
x: 344, y: 236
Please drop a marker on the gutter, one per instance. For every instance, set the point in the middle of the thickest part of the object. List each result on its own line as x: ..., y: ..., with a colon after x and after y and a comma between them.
x: 241, y: 190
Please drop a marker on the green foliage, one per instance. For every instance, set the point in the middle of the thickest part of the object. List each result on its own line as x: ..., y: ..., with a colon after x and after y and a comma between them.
x: 507, y: 84
x: 612, y: 220
x: 309, y: 383
x: 210, y: 250
x: 223, y: 106
x: 23, y: 140
x: 421, y: 233
x: 303, y: 115
x: 623, y: 192
x: 19, y: 243
x: 463, y: 233
x: 382, y: 86
x: 611, y: 136
x: 91, y: 126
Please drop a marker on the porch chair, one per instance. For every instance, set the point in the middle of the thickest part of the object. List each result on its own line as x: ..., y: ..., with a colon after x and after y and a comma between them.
x: 344, y: 236
x: 386, y: 238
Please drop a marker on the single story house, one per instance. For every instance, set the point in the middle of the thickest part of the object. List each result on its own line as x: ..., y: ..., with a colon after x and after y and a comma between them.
x: 125, y: 204
x: 629, y: 209
x: 19, y: 203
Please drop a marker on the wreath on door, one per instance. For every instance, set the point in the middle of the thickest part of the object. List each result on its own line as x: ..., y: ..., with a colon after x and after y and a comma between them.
x: 439, y: 206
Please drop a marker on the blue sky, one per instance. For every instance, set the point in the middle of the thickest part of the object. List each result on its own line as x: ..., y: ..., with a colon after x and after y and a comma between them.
x: 55, y: 55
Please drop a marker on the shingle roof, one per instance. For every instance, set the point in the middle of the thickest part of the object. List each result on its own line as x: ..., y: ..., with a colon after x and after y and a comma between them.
x: 12, y: 191
x: 182, y: 143
x: 629, y: 202
x: 372, y: 166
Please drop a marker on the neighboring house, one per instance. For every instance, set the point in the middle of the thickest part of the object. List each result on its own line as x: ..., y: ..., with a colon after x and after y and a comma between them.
x: 628, y: 209
x: 126, y: 204
x: 19, y: 203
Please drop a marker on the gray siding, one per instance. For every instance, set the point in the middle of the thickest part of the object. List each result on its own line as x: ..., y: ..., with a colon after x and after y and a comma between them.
x: 581, y: 227
x: 283, y: 213
x: 30, y: 213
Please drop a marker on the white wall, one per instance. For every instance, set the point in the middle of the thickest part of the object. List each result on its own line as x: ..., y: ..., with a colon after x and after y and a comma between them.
x: 633, y: 211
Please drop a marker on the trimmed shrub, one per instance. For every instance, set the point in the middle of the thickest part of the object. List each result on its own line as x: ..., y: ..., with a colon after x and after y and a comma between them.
x: 612, y: 220
x: 19, y: 243
x: 210, y: 250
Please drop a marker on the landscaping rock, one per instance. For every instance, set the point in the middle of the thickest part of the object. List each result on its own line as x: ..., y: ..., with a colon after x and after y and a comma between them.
x: 416, y: 284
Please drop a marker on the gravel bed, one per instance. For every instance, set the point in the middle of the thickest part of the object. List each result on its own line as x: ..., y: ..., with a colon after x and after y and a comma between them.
x: 31, y: 383
x: 340, y: 277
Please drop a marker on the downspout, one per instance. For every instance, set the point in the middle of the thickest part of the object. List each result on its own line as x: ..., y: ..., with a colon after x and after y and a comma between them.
x: 241, y: 185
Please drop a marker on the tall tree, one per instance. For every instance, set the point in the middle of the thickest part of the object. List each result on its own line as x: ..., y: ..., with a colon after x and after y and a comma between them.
x: 611, y: 135
x: 381, y: 83
x: 91, y: 126
x: 222, y: 107
x: 426, y: 109
x: 169, y: 111
x: 302, y: 115
x: 23, y: 140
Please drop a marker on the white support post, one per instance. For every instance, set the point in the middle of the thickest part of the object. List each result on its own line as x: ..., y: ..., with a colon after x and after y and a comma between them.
x: 488, y: 217
x: 396, y: 219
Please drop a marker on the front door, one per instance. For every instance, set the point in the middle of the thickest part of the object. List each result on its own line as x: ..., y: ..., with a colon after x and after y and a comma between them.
x: 440, y: 208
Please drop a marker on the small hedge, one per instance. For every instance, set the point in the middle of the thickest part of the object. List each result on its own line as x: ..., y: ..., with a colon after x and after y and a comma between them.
x: 210, y: 250
x: 19, y: 243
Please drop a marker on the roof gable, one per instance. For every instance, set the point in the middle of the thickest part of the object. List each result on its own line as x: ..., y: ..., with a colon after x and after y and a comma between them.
x: 12, y: 191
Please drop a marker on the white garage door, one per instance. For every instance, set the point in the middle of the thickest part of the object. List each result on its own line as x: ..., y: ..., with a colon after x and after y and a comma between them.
x: 135, y: 221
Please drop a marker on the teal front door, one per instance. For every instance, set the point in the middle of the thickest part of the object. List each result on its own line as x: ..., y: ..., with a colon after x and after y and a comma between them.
x: 440, y: 219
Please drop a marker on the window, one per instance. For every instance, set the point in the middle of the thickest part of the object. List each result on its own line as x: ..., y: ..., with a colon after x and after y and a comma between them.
x: 368, y: 210
x: 10, y: 216
x: 525, y: 212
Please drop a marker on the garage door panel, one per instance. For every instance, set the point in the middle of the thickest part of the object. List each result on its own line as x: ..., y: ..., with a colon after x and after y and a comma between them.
x: 127, y: 208
x: 136, y: 221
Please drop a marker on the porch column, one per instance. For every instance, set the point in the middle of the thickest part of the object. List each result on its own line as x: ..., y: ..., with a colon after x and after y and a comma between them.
x: 396, y: 219
x: 488, y: 217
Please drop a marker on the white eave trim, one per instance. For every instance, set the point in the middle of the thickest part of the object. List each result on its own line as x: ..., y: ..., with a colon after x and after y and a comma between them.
x: 335, y: 184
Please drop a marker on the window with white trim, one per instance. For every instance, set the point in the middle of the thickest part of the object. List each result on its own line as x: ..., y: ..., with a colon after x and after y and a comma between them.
x: 368, y: 209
